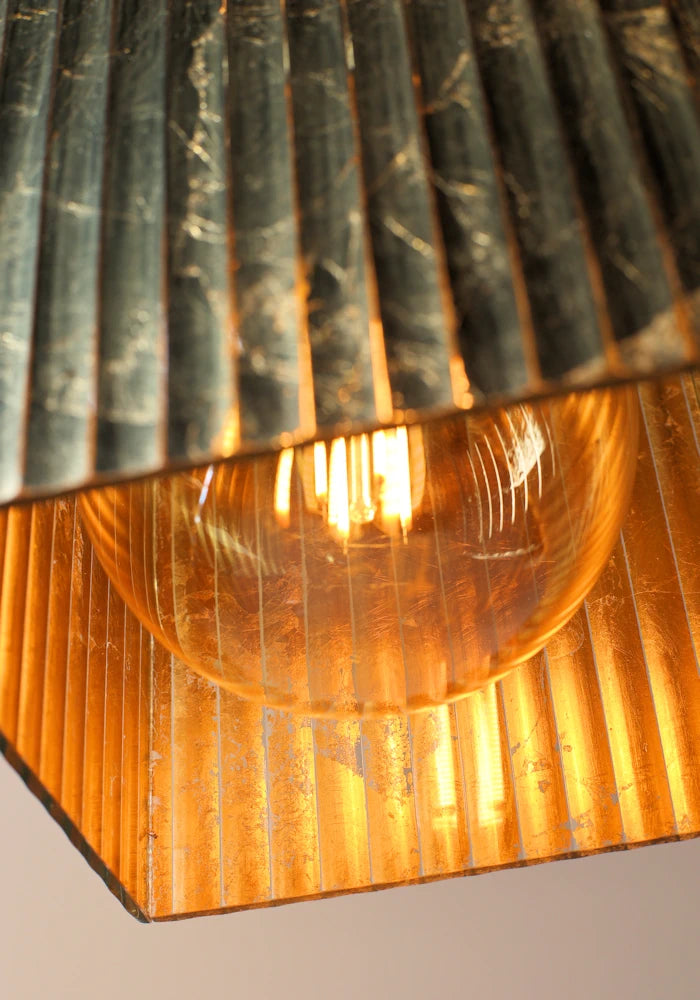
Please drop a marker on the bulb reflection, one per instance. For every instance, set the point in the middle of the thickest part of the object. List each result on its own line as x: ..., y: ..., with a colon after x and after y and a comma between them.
x: 382, y: 572
x: 489, y: 763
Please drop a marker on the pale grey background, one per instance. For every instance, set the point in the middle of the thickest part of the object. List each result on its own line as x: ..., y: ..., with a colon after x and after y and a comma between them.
x: 616, y: 926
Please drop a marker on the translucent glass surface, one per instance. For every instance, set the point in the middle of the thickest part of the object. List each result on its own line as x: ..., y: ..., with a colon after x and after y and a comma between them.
x: 188, y: 799
x: 381, y: 573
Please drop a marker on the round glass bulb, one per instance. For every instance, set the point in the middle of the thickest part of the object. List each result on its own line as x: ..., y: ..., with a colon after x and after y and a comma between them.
x: 380, y: 573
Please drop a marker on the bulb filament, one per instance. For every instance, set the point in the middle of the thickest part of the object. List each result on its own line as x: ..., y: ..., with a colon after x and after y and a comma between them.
x: 353, y: 482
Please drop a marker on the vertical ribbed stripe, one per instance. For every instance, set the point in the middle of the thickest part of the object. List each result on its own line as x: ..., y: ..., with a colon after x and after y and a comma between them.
x: 196, y: 801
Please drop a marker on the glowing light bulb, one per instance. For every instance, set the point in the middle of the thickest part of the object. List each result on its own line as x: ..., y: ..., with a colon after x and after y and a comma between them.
x: 382, y: 572
x: 360, y: 481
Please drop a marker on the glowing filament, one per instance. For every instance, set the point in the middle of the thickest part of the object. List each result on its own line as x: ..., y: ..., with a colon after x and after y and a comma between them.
x: 362, y: 503
x: 396, y: 489
x: 338, y: 501
x: 363, y: 479
x: 320, y: 472
x: 283, y: 484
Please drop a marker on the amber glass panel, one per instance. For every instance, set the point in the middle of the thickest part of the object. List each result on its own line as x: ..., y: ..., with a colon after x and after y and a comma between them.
x: 187, y: 799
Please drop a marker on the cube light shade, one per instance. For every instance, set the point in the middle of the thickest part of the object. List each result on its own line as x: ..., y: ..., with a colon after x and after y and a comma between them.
x: 188, y: 799
x: 240, y: 240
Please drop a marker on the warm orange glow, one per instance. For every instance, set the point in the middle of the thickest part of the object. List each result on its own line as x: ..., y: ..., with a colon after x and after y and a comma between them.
x: 192, y: 799
x: 338, y: 500
x: 445, y: 769
x: 362, y: 503
x: 320, y: 473
x: 283, y: 485
x: 491, y: 785
x: 383, y: 572
x: 396, y: 486
x: 359, y: 481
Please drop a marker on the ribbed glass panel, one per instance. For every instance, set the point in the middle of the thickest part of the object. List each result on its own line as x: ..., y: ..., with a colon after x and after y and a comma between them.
x: 189, y: 800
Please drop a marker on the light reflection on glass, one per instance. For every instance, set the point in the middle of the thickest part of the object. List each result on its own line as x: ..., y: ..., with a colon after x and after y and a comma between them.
x: 378, y: 573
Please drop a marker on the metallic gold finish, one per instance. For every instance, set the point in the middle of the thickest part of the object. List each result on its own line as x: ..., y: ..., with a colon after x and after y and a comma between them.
x: 188, y: 799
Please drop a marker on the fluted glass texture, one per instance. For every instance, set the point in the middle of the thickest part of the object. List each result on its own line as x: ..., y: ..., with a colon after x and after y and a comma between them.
x: 383, y: 572
x: 187, y: 799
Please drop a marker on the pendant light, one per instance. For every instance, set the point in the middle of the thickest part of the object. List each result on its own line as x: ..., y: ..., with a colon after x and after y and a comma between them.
x: 349, y: 436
